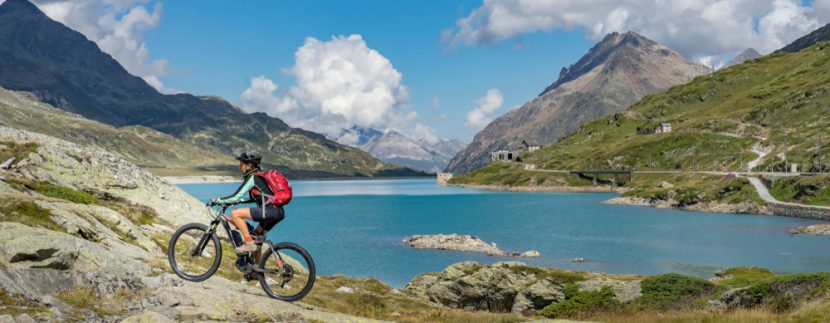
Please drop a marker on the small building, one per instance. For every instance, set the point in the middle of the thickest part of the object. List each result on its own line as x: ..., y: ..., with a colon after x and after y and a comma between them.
x: 664, y: 128
x: 501, y: 155
x: 443, y: 178
x: 531, y: 147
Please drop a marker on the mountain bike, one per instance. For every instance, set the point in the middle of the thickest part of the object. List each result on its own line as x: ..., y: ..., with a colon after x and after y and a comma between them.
x: 285, y: 270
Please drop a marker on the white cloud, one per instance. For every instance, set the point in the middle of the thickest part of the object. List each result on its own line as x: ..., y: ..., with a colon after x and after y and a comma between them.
x: 339, y: 83
x: 426, y: 134
x: 435, y: 107
x: 694, y: 28
x: 479, y: 117
x: 118, y: 27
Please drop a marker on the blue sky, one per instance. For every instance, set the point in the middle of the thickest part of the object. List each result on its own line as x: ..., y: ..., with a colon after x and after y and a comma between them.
x: 214, y: 48
x: 327, y: 65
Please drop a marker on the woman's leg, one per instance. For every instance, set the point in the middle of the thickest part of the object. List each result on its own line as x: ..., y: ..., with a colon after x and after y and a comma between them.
x: 239, y: 216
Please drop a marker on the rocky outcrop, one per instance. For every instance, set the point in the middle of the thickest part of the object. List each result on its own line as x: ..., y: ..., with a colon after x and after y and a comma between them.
x: 821, y: 229
x: 73, y: 261
x: 465, y: 243
x: 735, y: 208
x: 95, y: 170
x: 510, y: 286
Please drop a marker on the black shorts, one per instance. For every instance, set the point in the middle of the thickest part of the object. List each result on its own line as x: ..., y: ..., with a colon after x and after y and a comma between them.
x: 268, y: 219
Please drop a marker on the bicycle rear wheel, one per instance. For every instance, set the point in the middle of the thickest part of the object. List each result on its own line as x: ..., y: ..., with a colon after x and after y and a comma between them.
x: 288, y: 274
x: 192, y: 254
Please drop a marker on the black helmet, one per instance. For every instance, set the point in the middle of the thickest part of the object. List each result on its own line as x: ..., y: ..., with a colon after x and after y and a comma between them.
x: 249, y: 158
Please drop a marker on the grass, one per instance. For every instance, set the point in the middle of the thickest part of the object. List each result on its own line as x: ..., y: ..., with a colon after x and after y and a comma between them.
x: 581, y: 303
x: 780, y: 101
x: 744, y: 276
x: 15, y: 304
x: 18, y: 151
x: 53, y: 190
x: 85, y: 300
x: 674, y: 291
x: 689, y: 189
x: 28, y: 213
x: 136, y: 213
x: 812, y: 190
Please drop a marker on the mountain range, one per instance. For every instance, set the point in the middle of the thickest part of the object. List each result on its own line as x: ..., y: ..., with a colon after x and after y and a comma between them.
x: 617, y: 72
x: 63, y: 68
x: 396, y: 148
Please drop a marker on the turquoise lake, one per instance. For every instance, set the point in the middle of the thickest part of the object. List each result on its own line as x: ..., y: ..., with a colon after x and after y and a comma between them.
x: 355, y: 228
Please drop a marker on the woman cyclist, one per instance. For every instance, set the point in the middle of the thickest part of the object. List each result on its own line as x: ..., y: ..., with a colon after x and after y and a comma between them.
x: 251, y: 190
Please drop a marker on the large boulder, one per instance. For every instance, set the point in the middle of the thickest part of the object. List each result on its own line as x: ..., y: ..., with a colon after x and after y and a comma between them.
x: 28, y: 247
x: 511, y: 286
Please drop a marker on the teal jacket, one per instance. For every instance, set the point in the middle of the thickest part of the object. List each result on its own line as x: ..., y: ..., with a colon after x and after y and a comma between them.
x: 244, y: 193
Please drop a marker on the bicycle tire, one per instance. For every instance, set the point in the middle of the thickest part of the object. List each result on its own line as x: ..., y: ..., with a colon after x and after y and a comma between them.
x: 171, y: 254
x: 312, y: 271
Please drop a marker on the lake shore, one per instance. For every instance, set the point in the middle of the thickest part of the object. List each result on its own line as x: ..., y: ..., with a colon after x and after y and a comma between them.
x: 715, y: 207
x: 206, y: 179
x: 549, y: 189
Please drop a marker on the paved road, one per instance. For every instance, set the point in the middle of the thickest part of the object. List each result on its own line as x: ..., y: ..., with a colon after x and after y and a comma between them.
x: 763, y: 191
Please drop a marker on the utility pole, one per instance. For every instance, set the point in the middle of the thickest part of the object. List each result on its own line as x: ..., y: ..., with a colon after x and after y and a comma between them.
x: 820, y: 165
x: 786, y: 148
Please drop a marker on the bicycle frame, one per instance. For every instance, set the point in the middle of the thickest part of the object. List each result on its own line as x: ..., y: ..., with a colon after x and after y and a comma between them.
x: 222, y: 218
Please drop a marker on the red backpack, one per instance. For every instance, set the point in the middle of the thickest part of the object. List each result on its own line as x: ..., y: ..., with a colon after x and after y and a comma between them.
x: 279, y: 186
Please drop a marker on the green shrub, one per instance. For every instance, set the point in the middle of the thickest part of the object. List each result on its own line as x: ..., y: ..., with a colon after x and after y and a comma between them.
x: 673, y: 290
x: 28, y: 213
x: 56, y: 191
x: 578, y: 303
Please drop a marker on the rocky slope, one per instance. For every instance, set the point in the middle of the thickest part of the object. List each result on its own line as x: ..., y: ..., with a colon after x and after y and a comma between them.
x: 617, y: 72
x: 818, y: 35
x: 394, y: 147
x: 84, y: 236
x: 61, y: 67
x: 140, y: 145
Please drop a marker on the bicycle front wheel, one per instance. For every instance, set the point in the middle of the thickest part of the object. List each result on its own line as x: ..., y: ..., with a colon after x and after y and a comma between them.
x: 288, y: 274
x: 192, y: 254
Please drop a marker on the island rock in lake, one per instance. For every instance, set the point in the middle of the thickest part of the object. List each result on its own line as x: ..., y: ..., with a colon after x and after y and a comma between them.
x: 467, y: 243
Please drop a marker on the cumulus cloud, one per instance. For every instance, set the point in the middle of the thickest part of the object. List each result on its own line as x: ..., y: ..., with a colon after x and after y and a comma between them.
x: 694, y: 28
x: 118, y: 27
x: 426, y: 134
x: 483, y: 114
x: 339, y: 83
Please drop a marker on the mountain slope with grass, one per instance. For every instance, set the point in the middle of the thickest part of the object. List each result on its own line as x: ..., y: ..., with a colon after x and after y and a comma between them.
x: 779, y: 104
x: 63, y: 68
x: 156, y: 151
x: 617, y: 72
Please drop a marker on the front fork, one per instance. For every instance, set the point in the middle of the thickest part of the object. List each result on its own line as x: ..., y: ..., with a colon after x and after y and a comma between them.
x: 200, y: 247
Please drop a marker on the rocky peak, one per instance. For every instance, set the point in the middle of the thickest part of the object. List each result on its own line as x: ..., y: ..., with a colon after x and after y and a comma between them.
x: 745, y: 55
x: 604, y: 51
x: 21, y: 8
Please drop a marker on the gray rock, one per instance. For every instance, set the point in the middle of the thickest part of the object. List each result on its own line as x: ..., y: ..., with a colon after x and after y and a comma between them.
x: 7, y: 164
x: 537, y: 296
x: 345, y: 290
x: 466, y: 243
x: 27, y: 247
x: 624, y: 291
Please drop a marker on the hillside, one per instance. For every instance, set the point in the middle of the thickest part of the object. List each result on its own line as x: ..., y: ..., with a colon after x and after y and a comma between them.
x: 140, y: 145
x: 61, y: 67
x: 617, y: 72
x: 778, y: 104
